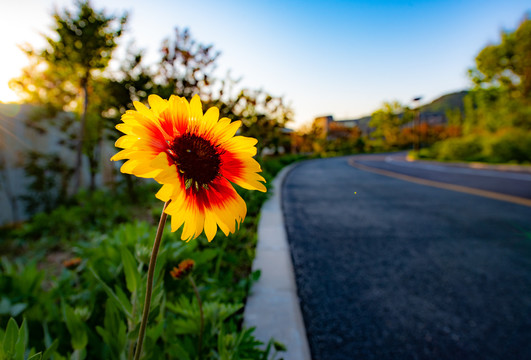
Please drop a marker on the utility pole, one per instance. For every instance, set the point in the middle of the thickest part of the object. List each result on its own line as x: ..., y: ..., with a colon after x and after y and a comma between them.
x: 416, y: 101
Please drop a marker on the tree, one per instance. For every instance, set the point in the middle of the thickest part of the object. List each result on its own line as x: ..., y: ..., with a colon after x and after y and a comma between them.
x: 61, y: 76
x: 502, y: 77
x: 186, y: 67
x: 507, y: 64
x: 263, y: 117
x: 388, y: 121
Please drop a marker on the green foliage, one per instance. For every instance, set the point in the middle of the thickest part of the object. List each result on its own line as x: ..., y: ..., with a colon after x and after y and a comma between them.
x: 186, y: 67
x: 493, y: 109
x: 271, y: 166
x: 507, y: 64
x: 507, y: 146
x: 388, y: 121
x: 263, y: 117
x: 513, y: 145
x: 502, y: 97
x: 92, y: 307
x: 466, y: 148
x: 81, y: 215
x: 112, y: 273
x: 14, y: 343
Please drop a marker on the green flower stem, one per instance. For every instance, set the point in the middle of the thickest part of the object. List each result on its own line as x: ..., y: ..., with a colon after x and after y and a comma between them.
x: 200, y: 314
x: 149, y: 284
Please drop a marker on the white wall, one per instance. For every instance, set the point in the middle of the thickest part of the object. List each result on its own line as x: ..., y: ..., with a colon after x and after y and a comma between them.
x: 16, y: 139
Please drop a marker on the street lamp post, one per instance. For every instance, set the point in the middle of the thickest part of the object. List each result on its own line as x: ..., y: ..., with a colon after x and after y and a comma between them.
x: 416, y: 101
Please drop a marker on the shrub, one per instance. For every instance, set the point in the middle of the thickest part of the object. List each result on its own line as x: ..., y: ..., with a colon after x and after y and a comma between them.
x: 469, y: 148
x: 508, y: 146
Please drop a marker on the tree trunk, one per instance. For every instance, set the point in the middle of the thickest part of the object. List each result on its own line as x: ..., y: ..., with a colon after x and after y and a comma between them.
x: 81, y: 137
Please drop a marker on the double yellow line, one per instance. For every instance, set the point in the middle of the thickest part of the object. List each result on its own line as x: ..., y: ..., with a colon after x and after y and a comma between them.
x: 441, y: 185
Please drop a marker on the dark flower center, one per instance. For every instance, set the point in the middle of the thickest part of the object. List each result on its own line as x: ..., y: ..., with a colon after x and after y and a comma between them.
x: 197, y: 160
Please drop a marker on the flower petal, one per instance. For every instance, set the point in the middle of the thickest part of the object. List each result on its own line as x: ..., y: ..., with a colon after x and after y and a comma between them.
x: 157, y: 104
x: 196, y: 109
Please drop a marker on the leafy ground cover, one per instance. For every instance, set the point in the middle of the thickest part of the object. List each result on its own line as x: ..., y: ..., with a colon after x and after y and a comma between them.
x: 73, y: 280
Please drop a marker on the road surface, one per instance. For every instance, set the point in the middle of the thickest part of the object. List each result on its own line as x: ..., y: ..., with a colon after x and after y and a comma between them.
x: 391, y: 269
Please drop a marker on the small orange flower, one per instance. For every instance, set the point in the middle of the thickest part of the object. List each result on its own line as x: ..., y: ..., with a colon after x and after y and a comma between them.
x: 195, y: 157
x: 185, y: 267
x: 72, y: 263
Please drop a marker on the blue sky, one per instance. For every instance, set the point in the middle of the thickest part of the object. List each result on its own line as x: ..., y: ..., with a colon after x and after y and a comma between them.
x: 342, y: 58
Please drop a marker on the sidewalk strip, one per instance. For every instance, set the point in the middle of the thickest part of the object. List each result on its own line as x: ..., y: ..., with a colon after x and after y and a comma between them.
x: 273, y: 305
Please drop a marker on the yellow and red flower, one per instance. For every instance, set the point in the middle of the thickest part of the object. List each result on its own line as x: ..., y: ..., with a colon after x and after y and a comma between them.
x: 195, y: 157
x: 185, y: 267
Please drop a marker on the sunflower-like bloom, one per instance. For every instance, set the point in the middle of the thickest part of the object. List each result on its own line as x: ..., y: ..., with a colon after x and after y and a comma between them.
x: 195, y: 157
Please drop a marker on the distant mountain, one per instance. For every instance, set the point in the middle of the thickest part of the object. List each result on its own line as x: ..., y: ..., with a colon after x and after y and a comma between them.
x: 445, y: 102
x: 433, y: 113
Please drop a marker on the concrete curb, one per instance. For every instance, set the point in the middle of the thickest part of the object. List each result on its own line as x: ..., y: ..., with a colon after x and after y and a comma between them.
x: 273, y: 305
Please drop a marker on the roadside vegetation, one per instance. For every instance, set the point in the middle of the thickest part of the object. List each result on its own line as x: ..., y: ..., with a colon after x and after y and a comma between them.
x: 491, y: 122
x: 73, y: 280
x: 496, y: 120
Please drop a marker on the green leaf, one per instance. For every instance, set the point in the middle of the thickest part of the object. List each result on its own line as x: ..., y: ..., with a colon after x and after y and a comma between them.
x: 206, y: 256
x: 8, y: 266
x: 132, y: 277
x: 37, y: 356
x: 76, y: 327
x: 22, y: 341
x: 47, y: 337
x: 51, y: 349
x: 125, y: 307
x: 10, y: 338
x: 255, y: 275
x: 123, y: 298
x: 155, y: 332
x: 279, y: 346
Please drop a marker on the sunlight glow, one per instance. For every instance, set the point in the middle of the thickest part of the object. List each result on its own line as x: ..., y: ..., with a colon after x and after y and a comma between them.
x: 17, y: 31
x: 11, y: 68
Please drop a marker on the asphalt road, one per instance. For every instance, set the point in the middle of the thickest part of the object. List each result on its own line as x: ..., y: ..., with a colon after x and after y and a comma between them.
x: 505, y: 182
x: 389, y: 269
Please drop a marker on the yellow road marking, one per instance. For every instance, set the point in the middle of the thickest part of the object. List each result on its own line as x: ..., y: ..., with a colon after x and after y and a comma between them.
x: 441, y: 185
